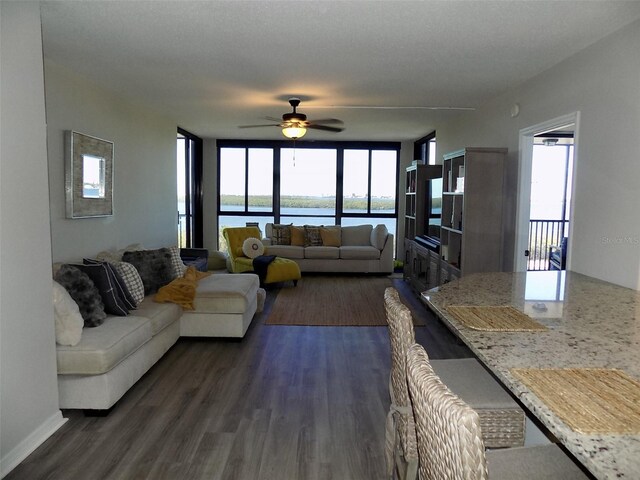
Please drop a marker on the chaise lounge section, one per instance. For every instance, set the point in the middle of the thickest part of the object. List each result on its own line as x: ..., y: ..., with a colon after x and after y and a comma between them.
x: 96, y: 372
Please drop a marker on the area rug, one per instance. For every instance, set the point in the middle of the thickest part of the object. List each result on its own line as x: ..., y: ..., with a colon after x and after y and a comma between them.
x: 333, y: 301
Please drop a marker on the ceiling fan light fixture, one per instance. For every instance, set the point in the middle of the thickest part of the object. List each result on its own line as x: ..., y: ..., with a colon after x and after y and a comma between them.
x: 294, y: 132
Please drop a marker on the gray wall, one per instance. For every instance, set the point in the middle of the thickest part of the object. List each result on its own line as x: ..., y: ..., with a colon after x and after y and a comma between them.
x: 28, y: 390
x: 210, y: 194
x: 145, y: 190
x: 602, y: 82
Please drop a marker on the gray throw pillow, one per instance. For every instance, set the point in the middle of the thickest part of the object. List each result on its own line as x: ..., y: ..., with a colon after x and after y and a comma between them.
x: 154, y: 266
x: 84, y: 293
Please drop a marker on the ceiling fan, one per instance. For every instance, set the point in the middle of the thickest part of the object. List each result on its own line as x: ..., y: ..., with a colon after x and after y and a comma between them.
x: 294, y: 125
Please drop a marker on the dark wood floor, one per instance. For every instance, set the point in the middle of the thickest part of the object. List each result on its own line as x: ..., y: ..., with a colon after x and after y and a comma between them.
x: 283, y: 403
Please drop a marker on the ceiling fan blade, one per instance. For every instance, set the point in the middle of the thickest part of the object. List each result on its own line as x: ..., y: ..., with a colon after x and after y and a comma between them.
x: 391, y: 107
x: 255, y: 126
x: 273, y: 119
x: 325, y: 128
x: 327, y: 120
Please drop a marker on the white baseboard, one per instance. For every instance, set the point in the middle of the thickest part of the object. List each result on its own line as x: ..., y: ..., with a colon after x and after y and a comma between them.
x: 21, y: 451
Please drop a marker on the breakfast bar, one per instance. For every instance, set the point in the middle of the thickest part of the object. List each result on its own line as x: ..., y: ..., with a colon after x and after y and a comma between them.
x: 574, y: 329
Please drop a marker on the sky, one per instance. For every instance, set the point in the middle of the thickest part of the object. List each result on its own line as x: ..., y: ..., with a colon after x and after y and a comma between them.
x: 547, y: 182
x: 311, y: 173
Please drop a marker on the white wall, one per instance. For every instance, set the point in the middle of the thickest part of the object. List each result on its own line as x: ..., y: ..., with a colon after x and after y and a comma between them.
x: 145, y: 188
x: 602, y: 82
x: 29, y: 411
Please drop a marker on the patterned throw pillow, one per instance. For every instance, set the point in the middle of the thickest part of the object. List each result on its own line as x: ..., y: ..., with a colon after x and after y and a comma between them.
x: 312, y: 236
x: 131, y: 279
x: 84, y: 293
x: 252, y: 247
x: 178, y: 265
x: 154, y: 266
x: 281, y: 235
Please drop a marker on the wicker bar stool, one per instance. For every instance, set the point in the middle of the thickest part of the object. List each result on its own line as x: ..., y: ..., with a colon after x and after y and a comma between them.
x: 449, y: 436
x: 501, y: 418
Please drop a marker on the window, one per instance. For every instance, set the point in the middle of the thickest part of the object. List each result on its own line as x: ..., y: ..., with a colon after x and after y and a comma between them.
x: 260, y: 180
x: 308, y: 186
x: 367, y: 190
x: 425, y: 149
x: 189, y: 174
x: 355, y: 181
x: 245, y: 188
x: 313, y: 183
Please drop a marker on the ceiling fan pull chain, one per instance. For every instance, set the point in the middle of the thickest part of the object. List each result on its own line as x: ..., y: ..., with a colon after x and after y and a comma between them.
x: 294, y: 152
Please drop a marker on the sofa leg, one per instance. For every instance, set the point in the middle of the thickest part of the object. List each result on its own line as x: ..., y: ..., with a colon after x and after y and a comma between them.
x: 295, y: 283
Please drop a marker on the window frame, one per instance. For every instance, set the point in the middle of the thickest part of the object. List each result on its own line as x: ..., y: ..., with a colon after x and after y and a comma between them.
x: 340, y: 147
x: 193, y: 153
x: 421, y: 149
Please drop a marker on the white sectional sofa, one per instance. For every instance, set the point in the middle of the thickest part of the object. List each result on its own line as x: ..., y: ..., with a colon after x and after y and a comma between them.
x: 359, y: 249
x: 95, y: 373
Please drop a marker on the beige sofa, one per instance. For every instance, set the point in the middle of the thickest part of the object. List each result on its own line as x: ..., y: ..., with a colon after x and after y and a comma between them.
x: 110, y: 358
x: 362, y: 249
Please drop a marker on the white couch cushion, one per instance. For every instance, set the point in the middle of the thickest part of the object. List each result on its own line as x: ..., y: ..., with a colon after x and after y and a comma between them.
x: 159, y: 314
x: 102, y: 348
x: 359, y: 253
x: 358, y: 235
x: 226, y: 293
x: 322, y: 252
x: 286, y: 251
x: 379, y: 236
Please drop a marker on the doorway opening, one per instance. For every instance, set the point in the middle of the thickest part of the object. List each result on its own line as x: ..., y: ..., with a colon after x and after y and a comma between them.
x: 551, y: 179
x: 547, y: 164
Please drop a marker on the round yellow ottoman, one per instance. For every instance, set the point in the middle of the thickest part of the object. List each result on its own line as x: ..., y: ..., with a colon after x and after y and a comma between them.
x: 282, y: 270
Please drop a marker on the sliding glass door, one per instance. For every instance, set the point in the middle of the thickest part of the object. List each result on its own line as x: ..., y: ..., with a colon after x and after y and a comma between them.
x: 189, y: 174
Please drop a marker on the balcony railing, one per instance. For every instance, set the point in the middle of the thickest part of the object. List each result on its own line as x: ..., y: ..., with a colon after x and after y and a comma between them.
x: 182, y: 230
x: 544, y: 234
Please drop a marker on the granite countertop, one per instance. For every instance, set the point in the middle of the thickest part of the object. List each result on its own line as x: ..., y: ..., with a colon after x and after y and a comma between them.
x: 590, y: 323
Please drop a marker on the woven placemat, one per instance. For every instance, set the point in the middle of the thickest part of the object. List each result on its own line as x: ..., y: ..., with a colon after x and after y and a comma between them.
x: 495, y: 319
x: 589, y: 400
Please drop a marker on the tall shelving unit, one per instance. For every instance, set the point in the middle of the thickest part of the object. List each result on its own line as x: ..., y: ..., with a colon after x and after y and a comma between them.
x: 418, y: 260
x: 472, y: 204
x: 416, y: 191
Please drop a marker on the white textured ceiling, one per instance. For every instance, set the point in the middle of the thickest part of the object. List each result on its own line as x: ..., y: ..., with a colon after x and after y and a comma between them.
x: 214, y: 65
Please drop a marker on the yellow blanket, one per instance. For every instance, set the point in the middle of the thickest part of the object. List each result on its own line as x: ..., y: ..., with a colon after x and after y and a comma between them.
x: 182, y: 291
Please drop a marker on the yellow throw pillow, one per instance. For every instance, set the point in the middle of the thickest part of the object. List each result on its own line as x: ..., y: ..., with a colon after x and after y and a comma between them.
x: 330, y: 236
x: 297, y: 236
